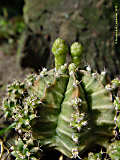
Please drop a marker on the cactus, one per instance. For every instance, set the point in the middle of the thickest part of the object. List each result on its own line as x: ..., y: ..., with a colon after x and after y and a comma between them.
x: 59, y: 50
x: 67, y: 108
x: 76, y: 53
x: 114, y: 150
x: 92, y: 156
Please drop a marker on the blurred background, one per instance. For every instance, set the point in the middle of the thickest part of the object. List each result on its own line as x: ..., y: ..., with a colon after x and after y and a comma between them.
x: 29, y: 27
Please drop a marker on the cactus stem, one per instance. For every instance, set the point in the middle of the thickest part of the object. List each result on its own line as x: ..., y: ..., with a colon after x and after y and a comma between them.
x: 64, y: 132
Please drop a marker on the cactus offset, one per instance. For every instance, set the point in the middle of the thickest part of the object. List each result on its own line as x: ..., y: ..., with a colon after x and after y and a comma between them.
x: 65, y: 108
x: 76, y: 53
x: 59, y: 50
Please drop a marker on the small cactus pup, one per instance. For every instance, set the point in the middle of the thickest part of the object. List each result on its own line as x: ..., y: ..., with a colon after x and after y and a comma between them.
x: 66, y: 108
x: 59, y: 50
x: 76, y: 53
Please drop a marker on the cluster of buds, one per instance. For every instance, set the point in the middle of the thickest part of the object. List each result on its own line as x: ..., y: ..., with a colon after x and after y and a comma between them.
x: 16, y: 89
x: 20, y: 106
x: 25, y: 149
x: 17, y: 92
x: 29, y: 81
x: 78, y: 120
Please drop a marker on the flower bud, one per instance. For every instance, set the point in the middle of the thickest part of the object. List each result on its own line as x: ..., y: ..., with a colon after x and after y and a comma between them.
x: 76, y: 52
x: 59, y: 49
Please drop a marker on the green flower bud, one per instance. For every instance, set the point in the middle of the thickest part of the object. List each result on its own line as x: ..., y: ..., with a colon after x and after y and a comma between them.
x: 59, y: 50
x: 76, y: 52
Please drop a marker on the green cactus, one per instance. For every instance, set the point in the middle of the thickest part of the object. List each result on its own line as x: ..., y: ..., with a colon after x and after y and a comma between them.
x: 65, y: 108
x: 59, y: 50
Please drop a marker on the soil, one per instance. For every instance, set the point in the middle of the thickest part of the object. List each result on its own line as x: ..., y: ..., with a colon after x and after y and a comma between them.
x: 9, y: 71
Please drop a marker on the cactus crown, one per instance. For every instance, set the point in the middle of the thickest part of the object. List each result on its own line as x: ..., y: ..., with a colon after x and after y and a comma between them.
x: 65, y: 108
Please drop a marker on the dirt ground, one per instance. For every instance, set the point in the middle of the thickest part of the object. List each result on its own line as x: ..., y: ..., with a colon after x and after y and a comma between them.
x: 9, y: 71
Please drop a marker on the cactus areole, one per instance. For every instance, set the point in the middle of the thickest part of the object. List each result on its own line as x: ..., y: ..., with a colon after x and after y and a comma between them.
x: 66, y: 108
